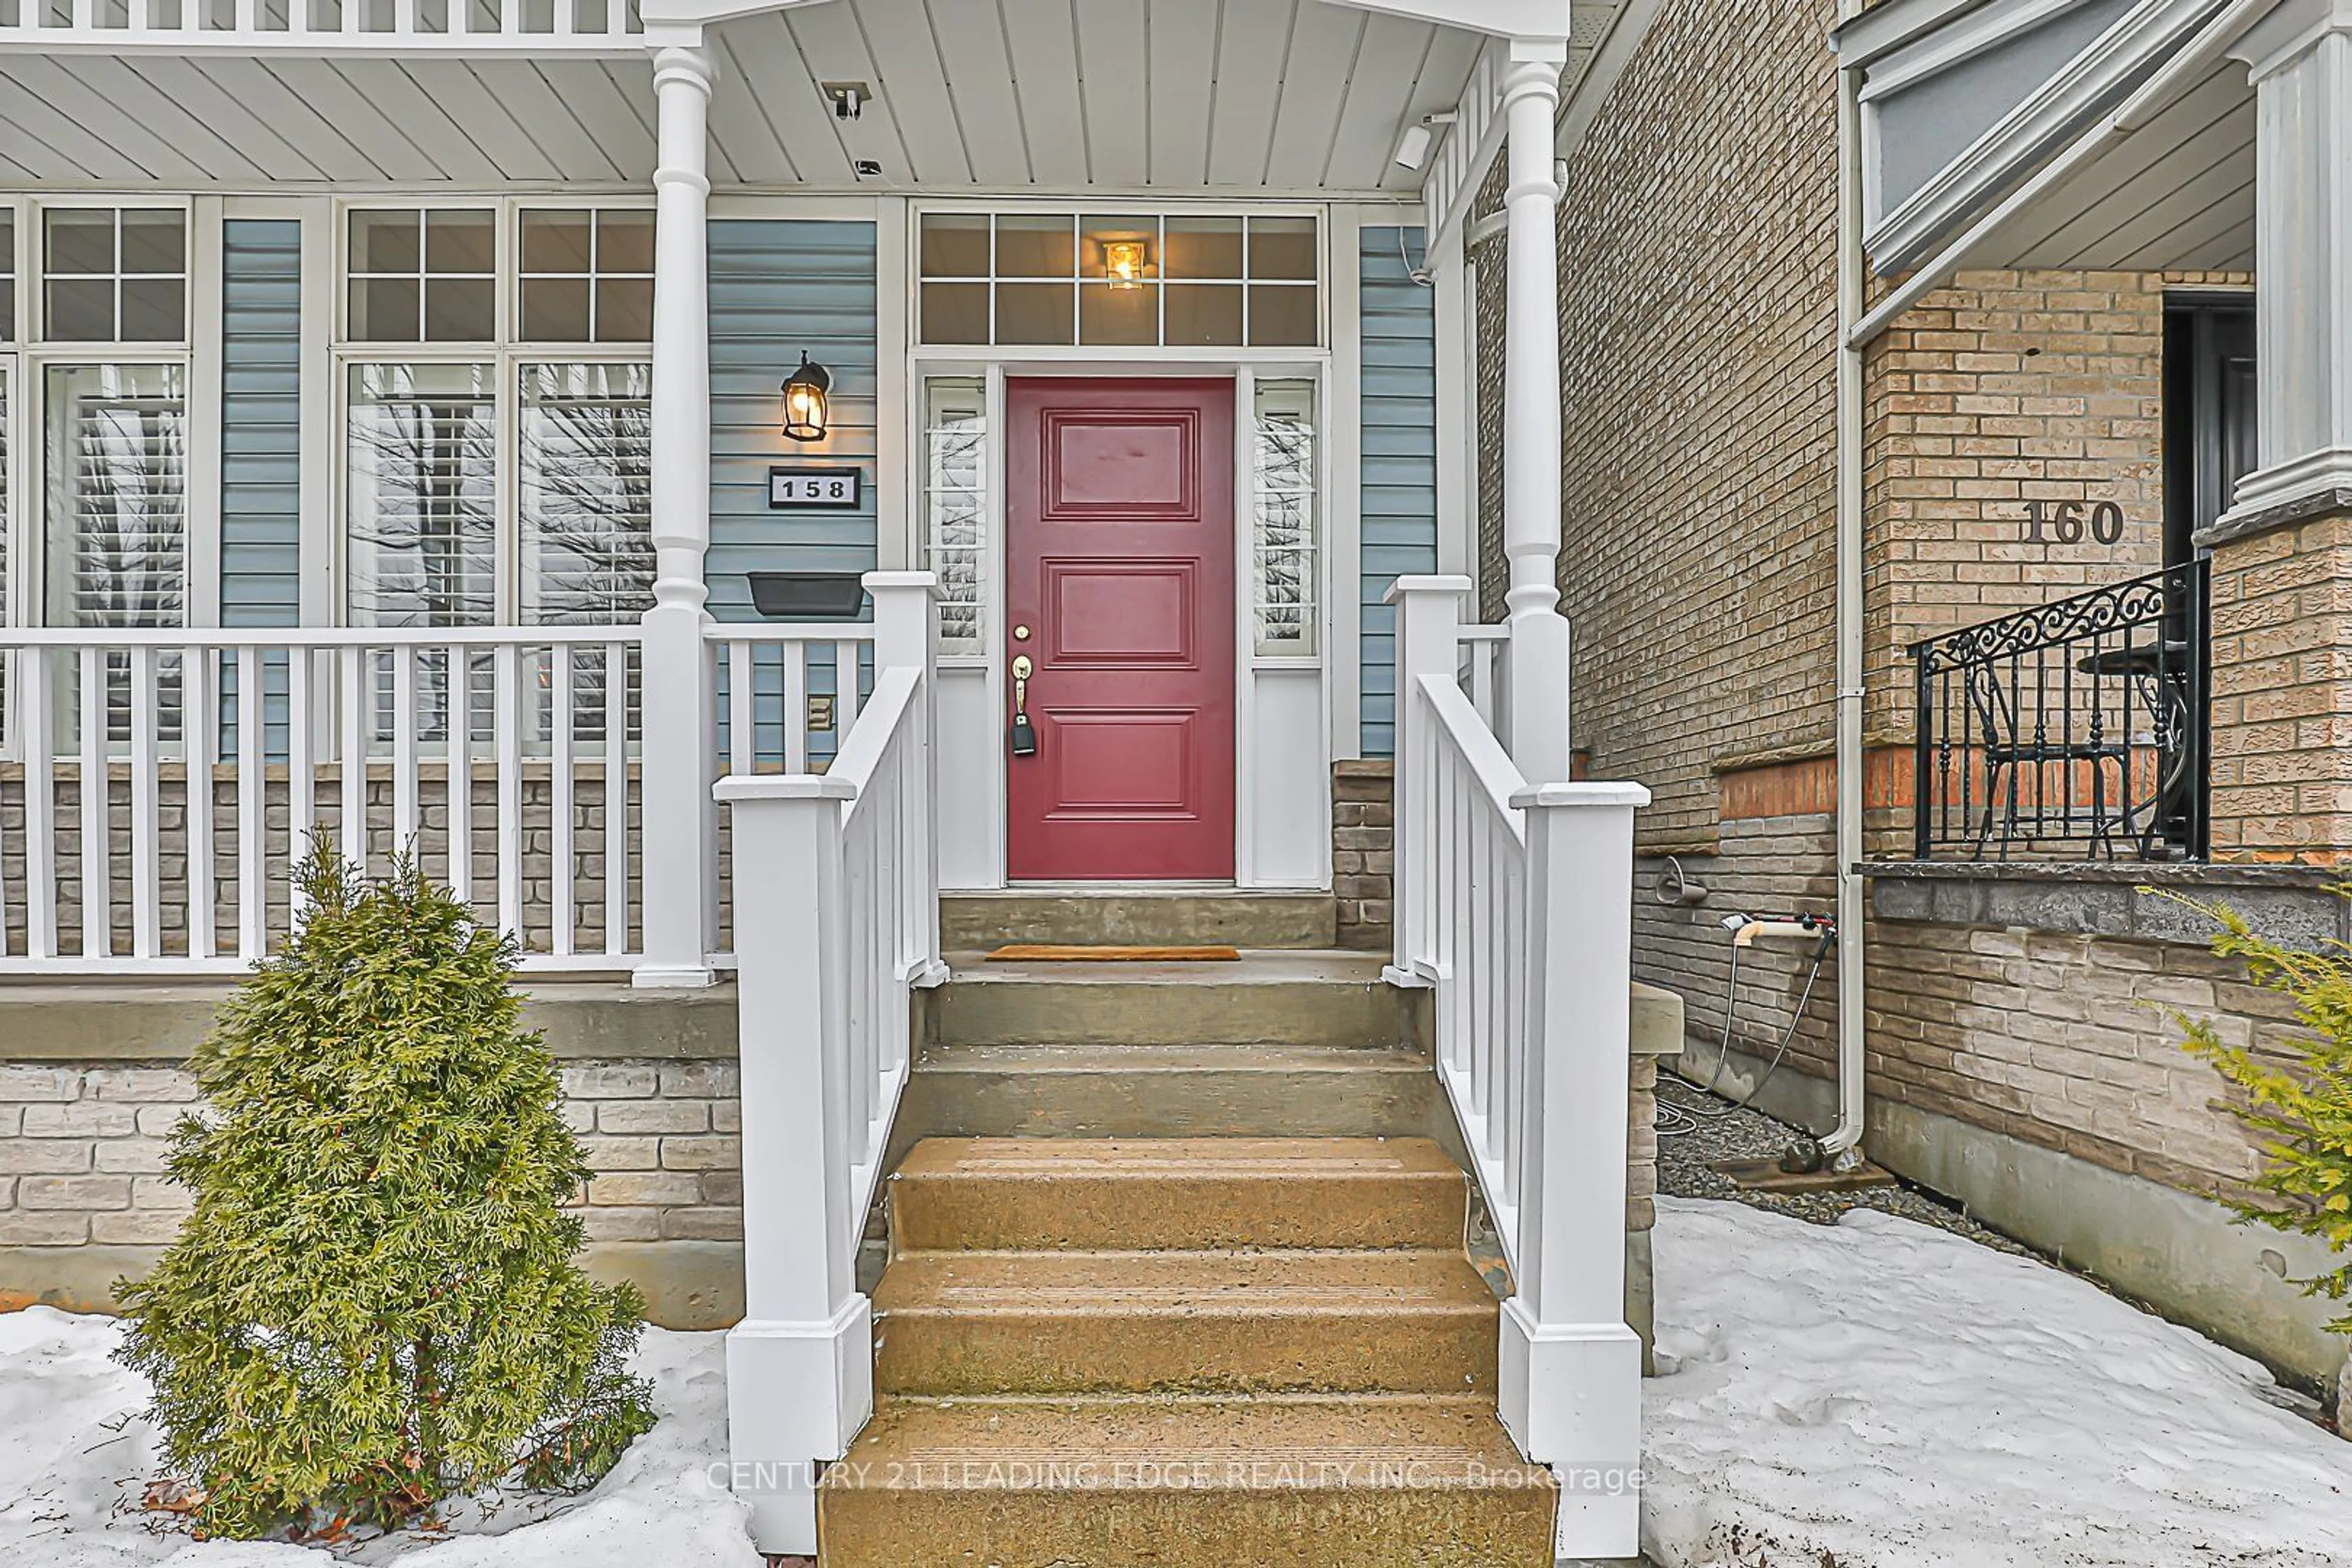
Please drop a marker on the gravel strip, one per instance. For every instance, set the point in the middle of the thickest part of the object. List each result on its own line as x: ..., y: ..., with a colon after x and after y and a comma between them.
x: 1724, y: 1132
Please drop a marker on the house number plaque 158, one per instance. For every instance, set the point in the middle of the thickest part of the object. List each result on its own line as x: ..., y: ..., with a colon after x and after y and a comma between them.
x: 2066, y: 522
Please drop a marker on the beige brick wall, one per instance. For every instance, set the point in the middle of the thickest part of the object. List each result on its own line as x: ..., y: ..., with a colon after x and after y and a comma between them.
x: 82, y: 1150
x: 2064, y: 1041
x: 2282, y: 766
x: 1697, y: 268
x: 1363, y: 851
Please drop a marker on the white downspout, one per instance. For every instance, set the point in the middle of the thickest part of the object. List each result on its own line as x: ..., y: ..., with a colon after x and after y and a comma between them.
x: 1844, y: 1145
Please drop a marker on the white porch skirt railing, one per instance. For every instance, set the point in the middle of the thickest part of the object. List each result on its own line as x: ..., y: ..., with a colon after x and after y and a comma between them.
x: 508, y: 760
x: 325, y: 26
x: 836, y: 923
x: 1513, y: 905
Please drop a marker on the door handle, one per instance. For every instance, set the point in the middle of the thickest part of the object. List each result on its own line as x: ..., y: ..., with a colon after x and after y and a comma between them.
x: 1025, y: 735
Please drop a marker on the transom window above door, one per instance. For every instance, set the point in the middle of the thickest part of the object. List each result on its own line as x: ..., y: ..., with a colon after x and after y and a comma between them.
x: 1119, y: 280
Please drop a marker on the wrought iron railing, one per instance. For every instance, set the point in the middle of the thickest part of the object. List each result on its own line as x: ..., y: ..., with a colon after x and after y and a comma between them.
x: 2078, y: 727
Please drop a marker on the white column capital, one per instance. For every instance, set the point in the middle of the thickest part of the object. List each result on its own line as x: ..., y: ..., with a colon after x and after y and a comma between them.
x: 2301, y: 57
x: 2290, y: 32
x: 1538, y: 51
x: 677, y: 65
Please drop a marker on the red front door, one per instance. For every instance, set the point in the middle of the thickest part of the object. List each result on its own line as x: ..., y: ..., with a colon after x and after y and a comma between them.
x: 1119, y: 565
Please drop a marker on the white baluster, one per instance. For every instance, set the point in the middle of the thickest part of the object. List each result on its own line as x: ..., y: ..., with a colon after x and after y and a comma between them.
x: 302, y: 720
x: 844, y: 687
x: 199, y: 738
x: 354, y: 758
x: 616, y: 799
x: 96, y: 889
x: 252, y: 798
x: 562, y: 917
x: 146, y: 740
x: 743, y: 737
x: 794, y: 658
x: 37, y: 727
x: 405, y: 783
x: 459, y: 784
x: 507, y: 686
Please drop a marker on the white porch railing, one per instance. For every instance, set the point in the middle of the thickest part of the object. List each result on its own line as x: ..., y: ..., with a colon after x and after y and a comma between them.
x: 1512, y: 905
x: 509, y: 761
x: 324, y: 27
x: 836, y: 913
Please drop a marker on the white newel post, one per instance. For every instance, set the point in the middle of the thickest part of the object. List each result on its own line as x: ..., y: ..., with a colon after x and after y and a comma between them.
x: 679, y: 849
x: 2300, y: 60
x: 1536, y: 701
x: 906, y: 632
x: 800, y: 1366
x: 1428, y: 642
x: 1570, y: 1369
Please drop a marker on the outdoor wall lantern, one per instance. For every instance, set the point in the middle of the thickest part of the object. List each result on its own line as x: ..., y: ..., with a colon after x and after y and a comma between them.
x: 804, y: 393
x: 1125, y: 262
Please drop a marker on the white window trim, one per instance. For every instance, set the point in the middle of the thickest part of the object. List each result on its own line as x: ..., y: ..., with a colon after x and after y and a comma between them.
x: 33, y: 355
x: 14, y: 611
x: 503, y: 353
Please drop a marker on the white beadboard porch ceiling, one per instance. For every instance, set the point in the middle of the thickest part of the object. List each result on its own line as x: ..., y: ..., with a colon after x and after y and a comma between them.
x: 1299, y: 96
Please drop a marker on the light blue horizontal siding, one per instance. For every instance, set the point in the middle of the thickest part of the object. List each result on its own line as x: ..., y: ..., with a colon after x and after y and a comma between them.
x: 261, y: 421
x: 780, y: 288
x: 261, y: 449
x: 1399, y: 505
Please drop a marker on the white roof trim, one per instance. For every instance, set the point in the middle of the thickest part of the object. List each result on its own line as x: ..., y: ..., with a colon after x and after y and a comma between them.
x: 2185, y: 70
x: 1884, y: 29
x: 1972, y: 35
x: 2142, y: 36
x: 1607, y: 63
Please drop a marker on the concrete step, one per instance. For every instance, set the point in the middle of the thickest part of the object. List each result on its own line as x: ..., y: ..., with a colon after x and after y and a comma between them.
x: 1266, y: 998
x: 1174, y: 917
x: 964, y: 1324
x: 1359, y: 1483
x: 1171, y: 1091
x: 1036, y: 1194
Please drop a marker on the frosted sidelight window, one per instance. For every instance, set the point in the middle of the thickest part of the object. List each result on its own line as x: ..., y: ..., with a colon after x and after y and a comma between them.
x: 955, y: 507
x: 1284, y: 520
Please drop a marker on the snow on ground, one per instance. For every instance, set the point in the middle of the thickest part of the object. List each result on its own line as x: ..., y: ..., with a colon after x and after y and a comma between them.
x: 75, y: 1461
x: 1878, y: 1391
x: 1899, y: 1398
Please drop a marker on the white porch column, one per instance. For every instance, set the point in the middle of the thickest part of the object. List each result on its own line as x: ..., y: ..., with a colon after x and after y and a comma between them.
x: 2301, y: 57
x: 1537, y: 697
x: 680, y: 841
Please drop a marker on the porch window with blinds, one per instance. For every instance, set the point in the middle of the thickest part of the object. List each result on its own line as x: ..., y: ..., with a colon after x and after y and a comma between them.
x: 586, y: 506
x: 115, y: 462
x: 420, y: 528
x: 509, y: 482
